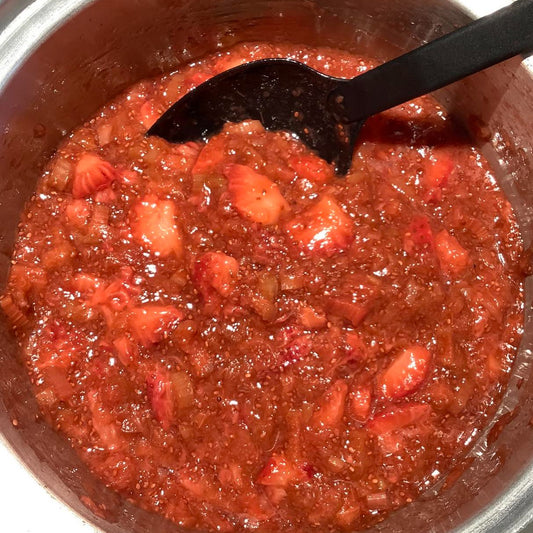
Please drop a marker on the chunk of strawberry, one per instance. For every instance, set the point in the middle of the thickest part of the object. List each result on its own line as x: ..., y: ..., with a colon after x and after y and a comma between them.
x: 228, y: 61
x: 311, y: 317
x: 215, y: 272
x: 57, y: 348
x: 148, y: 114
x: 453, y: 258
x: 246, y: 127
x: 92, y: 173
x: 418, y: 236
x: 331, y: 406
x: 86, y: 283
x: 256, y: 507
x: 254, y: 196
x: 57, y: 380
x: 104, y: 132
x: 275, y: 494
x: 297, y: 349
x: 105, y: 196
x: 25, y: 278
x: 355, y: 347
x: 104, y: 423
x: 280, y: 472
x: 360, y: 401
x: 210, y: 157
x: 397, y: 418
x: 197, y: 78
x: 129, y: 177
x: 311, y: 167
x: 344, y: 307
x: 160, y: 395
x: 181, y: 159
x: 124, y: 349
x: 150, y: 323
x: 115, y: 296
x: 323, y: 229
x: 189, y: 150
x: 495, y: 365
x: 348, y: 514
x: 154, y: 226
x: 406, y: 373
x: 78, y: 212
x: 436, y: 175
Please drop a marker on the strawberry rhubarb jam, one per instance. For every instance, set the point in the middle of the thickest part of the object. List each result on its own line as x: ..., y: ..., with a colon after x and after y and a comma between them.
x: 235, y: 338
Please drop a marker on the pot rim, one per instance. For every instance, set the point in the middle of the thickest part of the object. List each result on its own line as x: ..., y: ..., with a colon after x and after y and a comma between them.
x: 22, y: 31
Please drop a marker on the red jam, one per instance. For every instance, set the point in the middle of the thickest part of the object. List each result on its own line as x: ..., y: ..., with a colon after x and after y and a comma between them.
x: 235, y: 338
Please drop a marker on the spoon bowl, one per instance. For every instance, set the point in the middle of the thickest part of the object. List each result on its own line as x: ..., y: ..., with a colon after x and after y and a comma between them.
x: 281, y: 93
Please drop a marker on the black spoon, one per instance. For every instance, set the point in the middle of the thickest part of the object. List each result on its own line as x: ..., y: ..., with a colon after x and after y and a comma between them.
x: 327, y: 113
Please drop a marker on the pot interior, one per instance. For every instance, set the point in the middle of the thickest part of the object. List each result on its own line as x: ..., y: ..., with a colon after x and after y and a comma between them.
x: 110, y: 44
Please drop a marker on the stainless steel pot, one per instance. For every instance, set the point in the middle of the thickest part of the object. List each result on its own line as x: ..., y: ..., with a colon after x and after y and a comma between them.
x: 62, y: 59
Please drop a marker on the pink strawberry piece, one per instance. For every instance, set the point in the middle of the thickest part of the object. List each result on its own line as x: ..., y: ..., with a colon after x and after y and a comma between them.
x: 287, y: 334
x: 348, y: 514
x: 436, y: 176
x: 86, y: 283
x: 23, y: 278
x: 254, y: 196
x: 419, y: 236
x: 183, y: 157
x: 78, y: 212
x: 323, y: 229
x: 311, y: 167
x: 125, y: 350
x: 129, y: 177
x: 406, y: 373
x: 154, y: 226
x: 495, y: 365
x: 453, y: 258
x: 275, y: 494
x: 189, y: 149
x: 343, y: 307
x: 105, y: 196
x: 160, y: 395
x: 360, y: 401
x: 60, y: 353
x: 311, y: 318
x: 356, y: 347
x: 92, y: 174
x: 104, y: 423
x: 150, y: 323
x: 148, y: 114
x: 397, y: 418
x: 280, y: 472
x: 227, y: 62
x: 210, y: 157
x: 115, y: 296
x: 104, y: 132
x: 331, y: 407
x: 215, y: 273
x: 197, y: 78
x: 258, y: 508
x: 59, y: 346
x: 298, y: 349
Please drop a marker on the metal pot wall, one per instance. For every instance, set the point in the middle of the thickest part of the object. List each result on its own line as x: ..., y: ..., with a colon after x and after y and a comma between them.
x: 62, y: 59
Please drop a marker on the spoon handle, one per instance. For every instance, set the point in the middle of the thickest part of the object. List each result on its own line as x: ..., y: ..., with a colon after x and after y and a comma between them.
x: 480, y: 44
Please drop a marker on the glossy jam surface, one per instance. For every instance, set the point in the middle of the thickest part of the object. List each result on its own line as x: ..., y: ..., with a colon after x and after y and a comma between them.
x: 235, y: 338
